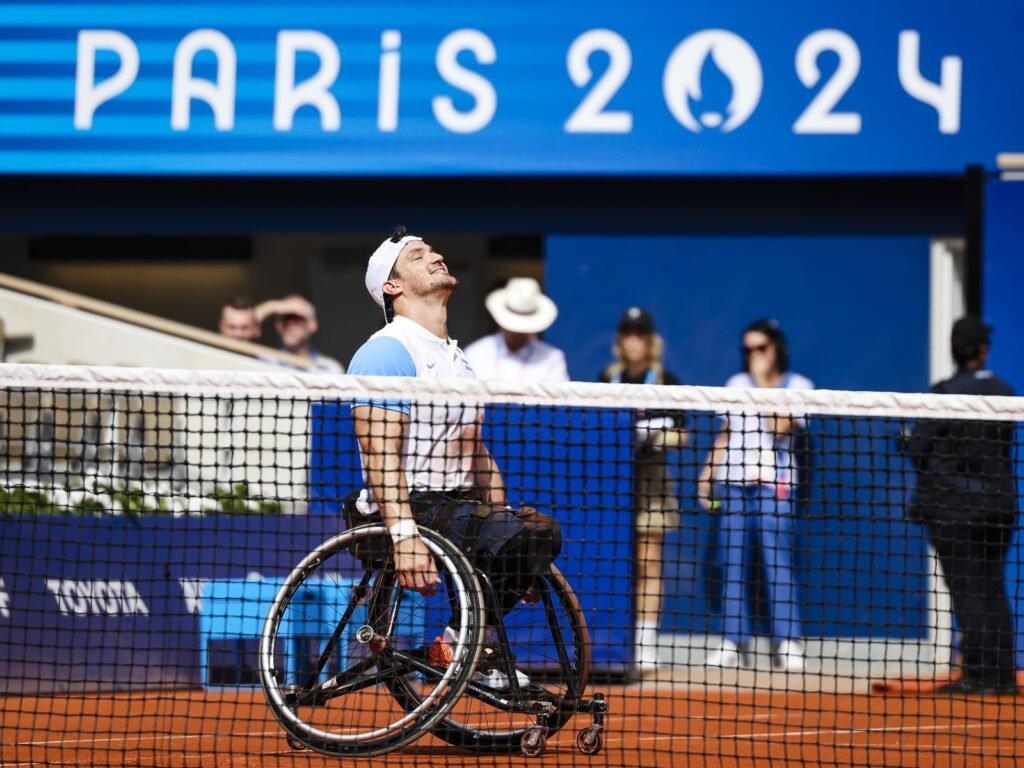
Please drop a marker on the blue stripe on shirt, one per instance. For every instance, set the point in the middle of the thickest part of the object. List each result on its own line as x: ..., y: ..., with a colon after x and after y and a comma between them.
x: 382, y: 356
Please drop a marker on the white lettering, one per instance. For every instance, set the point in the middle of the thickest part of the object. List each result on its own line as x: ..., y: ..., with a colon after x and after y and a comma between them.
x: 288, y: 96
x: 77, y: 594
x: 192, y: 589
x: 131, y: 601
x: 388, y: 89
x: 95, y: 598
x: 944, y: 96
x: 819, y: 117
x: 479, y: 87
x: 89, y: 95
x: 220, y: 95
x: 590, y: 116
x: 5, y: 600
x: 106, y: 598
x: 54, y: 586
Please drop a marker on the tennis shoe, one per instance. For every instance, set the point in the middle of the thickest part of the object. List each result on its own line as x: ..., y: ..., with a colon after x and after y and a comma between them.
x: 441, y: 655
x: 790, y: 656
x: 726, y: 656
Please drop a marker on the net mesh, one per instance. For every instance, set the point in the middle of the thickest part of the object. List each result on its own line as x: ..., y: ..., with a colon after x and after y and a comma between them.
x: 739, y: 574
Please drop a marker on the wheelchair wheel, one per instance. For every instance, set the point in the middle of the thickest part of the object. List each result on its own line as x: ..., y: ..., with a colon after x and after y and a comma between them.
x: 341, y: 633
x: 551, y: 644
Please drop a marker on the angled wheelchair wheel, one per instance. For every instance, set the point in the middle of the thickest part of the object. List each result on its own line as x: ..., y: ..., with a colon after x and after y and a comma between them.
x: 550, y: 643
x: 341, y: 634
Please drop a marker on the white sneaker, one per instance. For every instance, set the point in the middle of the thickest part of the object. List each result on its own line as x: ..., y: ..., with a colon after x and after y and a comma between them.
x: 647, y: 656
x: 726, y: 655
x: 440, y: 656
x: 647, y: 647
x: 790, y: 656
x: 497, y: 680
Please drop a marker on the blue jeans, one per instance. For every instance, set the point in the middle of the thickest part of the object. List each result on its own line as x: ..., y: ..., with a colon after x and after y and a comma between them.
x: 755, y: 510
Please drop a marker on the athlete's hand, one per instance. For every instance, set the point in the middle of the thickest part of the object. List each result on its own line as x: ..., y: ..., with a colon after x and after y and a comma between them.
x: 415, y: 566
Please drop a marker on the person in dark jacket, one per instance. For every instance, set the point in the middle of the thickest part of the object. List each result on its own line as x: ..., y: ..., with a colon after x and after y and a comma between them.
x: 966, y: 498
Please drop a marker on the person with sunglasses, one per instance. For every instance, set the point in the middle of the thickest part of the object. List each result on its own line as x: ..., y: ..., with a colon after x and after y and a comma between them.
x: 750, y: 479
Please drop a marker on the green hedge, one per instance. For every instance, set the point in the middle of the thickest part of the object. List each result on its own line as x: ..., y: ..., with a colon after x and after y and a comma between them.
x: 128, y: 500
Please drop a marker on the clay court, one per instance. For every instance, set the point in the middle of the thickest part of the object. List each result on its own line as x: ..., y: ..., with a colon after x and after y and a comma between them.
x: 651, y: 724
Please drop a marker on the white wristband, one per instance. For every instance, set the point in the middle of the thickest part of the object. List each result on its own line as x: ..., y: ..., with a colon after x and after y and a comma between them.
x: 402, y: 530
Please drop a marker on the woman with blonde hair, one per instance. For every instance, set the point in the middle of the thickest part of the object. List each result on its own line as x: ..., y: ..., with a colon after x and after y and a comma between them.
x: 638, y: 354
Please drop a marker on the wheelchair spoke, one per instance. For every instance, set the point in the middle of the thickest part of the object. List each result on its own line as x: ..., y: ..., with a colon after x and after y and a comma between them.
x: 332, y: 643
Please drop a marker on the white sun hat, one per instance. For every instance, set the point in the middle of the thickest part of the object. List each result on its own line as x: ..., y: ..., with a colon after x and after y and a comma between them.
x: 520, y: 307
x: 381, y: 263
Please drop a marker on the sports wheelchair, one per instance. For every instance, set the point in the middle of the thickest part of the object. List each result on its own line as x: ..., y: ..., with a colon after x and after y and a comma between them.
x: 349, y: 664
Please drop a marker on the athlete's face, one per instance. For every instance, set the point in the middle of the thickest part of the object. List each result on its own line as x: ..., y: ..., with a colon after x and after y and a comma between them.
x: 422, y: 270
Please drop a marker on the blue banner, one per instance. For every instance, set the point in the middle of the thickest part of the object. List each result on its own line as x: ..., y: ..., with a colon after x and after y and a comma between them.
x: 117, y: 603
x: 527, y: 88
x: 113, y: 603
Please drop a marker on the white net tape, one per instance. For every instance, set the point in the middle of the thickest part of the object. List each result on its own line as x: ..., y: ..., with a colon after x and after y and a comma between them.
x: 303, y: 386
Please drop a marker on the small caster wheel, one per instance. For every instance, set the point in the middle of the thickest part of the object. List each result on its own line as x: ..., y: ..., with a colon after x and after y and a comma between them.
x: 590, y: 740
x: 534, y: 742
x: 295, y: 744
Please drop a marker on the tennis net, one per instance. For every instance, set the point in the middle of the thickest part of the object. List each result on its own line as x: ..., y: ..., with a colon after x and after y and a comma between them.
x: 751, y: 573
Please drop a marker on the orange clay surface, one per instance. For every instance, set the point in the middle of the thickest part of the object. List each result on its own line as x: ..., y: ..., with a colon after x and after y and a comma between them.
x: 647, y: 726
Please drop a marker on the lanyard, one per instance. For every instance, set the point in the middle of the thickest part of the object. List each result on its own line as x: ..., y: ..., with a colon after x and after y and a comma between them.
x: 649, y: 378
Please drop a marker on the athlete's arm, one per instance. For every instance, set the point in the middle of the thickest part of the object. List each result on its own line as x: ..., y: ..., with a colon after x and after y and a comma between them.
x: 380, y: 432
x: 486, y: 475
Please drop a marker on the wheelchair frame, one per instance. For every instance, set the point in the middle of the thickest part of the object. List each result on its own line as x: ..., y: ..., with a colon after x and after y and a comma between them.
x: 444, y: 701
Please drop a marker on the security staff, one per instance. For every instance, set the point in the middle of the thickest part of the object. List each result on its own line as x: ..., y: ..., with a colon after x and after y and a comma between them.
x: 966, y: 498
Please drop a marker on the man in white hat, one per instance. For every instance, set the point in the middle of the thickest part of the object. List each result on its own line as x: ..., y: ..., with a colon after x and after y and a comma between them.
x: 515, y: 353
x: 426, y: 464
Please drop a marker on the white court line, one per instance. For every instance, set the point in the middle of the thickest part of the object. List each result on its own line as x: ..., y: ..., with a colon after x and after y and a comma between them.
x: 165, y: 737
x: 814, y: 732
x: 721, y: 737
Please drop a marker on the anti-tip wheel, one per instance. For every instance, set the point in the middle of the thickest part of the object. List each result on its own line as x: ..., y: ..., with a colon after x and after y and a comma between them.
x: 294, y: 743
x: 590, y: 740
x: 533, y: 743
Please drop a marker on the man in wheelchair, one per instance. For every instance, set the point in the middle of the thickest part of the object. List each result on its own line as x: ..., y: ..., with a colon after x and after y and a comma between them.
x: 426, y: 464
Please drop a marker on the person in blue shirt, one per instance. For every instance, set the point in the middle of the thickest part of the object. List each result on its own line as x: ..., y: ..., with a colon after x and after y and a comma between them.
x: 750, y: 478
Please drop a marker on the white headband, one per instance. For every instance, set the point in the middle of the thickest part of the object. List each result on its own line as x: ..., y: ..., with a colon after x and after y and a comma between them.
x: 381, y: 263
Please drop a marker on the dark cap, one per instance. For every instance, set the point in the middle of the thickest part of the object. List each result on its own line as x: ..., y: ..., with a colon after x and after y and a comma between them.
x: 969, y: 331
x: 636, y: 320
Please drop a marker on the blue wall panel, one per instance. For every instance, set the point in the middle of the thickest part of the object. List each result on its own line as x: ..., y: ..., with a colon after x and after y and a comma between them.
x: 1003, y: 280
x: 856, y: 313
x: 855, y: 308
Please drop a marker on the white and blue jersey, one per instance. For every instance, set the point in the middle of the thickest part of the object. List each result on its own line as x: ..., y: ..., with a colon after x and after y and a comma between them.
x: 755, y: 453
x: 440, y: 441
